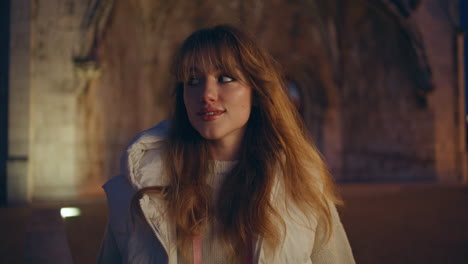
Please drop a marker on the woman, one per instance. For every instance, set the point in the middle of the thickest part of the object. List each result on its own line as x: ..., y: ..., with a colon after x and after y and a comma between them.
x: 232, y: 177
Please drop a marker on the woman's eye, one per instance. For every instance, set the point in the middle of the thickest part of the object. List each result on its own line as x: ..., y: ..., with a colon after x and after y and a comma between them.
x: 225, y: 79
x: 193, y: 81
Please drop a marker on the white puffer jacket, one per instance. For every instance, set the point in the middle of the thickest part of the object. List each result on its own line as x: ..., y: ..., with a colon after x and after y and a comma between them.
x: 152, y: 240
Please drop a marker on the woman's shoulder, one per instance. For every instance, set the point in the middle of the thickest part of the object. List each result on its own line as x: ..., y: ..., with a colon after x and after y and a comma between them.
x: 142, y: 161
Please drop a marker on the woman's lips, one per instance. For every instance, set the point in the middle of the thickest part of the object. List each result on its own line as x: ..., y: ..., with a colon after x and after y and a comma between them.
x: 210, y: 115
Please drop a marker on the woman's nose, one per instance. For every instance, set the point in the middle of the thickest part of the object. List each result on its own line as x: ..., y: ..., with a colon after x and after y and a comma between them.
x: 209, y: 91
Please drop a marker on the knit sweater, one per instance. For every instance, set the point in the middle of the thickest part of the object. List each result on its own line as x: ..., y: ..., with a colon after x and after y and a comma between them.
x: 212, y: 251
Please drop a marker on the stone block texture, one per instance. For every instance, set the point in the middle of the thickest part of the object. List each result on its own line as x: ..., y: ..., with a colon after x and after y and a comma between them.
x: 378, y: 83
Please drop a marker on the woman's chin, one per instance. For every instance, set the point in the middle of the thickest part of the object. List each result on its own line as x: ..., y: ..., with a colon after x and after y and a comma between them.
x: 209, y: 135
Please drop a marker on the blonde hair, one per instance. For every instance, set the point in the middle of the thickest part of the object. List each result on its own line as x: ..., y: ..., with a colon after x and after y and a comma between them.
x: 276, y: 148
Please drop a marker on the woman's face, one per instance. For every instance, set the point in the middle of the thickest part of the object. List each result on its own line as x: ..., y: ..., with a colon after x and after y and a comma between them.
x: 218, y: 106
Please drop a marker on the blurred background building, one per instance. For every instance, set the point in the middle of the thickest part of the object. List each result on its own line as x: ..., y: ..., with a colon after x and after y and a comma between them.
x: 381, y: 85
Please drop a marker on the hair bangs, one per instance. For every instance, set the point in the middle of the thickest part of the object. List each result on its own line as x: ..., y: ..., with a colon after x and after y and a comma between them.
x: 207, y: 52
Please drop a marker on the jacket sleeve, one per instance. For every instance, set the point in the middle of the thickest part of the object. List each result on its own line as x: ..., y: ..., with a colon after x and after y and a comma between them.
x: 109, y: 252
x: 337, y: 249
x: 126, y: 241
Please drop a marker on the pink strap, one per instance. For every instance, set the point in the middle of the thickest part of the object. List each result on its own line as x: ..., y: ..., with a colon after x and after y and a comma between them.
x: 197, y: 251
x: 249, y: 257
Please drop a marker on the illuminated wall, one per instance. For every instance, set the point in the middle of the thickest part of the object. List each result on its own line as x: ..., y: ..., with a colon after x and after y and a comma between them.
x: 18, y: 181
x: 88, y: 75
x: 43, y: 128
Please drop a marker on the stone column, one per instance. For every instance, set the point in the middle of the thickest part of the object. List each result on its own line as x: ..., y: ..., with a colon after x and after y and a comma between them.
x: 55, y: 41
x: 439, y: 38
x: 18, y: 179
x: 462, y: 117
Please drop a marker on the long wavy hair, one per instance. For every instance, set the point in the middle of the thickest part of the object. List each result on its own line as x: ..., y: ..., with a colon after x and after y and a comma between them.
x: 276, y: 151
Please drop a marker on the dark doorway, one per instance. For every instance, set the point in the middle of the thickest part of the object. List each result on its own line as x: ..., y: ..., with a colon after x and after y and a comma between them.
x: 4, y: 63
x: 464, y: 27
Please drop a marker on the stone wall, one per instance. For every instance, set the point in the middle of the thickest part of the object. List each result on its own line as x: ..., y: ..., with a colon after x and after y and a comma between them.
x: 368, y: 117
x: 18, y: 181
x: 438, y: 27
x: 380, y: 106
x: 55, y: 40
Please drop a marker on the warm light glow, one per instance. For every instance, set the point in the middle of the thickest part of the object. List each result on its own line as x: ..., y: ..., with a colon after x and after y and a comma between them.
x: 69, y: 212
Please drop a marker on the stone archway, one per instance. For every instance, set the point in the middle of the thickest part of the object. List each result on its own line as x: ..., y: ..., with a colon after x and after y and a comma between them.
x: 335, y: 66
